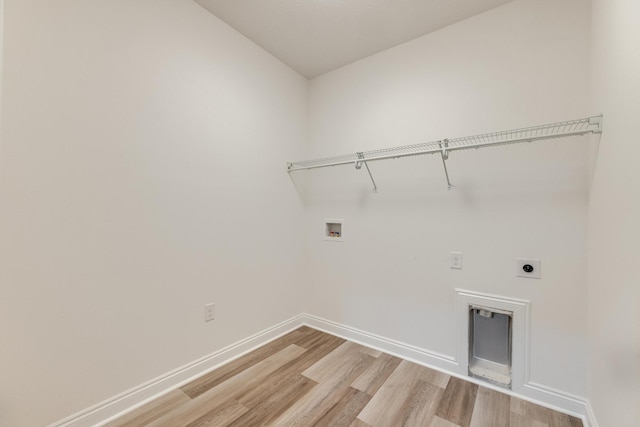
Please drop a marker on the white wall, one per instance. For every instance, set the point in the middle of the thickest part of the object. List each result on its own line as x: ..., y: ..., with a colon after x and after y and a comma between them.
x: 142, y: 176
x: 123, y: 207
x: 614, y: 209
x: 522, y: 64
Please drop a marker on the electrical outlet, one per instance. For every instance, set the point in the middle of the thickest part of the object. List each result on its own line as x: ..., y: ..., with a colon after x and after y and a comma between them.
x: 209, y: 312
x: 528, y: 268
x: 456, y: 260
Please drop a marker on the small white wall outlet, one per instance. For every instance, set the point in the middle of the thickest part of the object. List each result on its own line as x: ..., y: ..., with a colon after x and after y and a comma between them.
x: 209, y: 312
x: 456, y: 260
x: 529, y: 268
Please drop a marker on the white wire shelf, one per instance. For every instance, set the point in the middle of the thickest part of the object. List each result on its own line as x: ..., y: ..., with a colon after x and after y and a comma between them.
x: 589, y: 125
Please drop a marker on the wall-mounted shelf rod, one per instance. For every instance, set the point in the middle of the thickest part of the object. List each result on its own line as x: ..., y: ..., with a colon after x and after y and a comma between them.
x: 578, y: 127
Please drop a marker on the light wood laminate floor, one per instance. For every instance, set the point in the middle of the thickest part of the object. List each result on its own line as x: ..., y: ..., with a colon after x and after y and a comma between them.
x: 310, y: 378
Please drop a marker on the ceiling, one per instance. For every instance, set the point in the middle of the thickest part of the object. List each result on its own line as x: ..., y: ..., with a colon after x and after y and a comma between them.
x: 316, y: 36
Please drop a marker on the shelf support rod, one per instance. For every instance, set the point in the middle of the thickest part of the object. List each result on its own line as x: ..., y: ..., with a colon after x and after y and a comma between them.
x: 359, y: 165
x: 444, y: 152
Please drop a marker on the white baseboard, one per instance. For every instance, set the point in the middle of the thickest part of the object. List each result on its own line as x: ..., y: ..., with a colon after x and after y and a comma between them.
x: 395, y: 348
x: 591, y: 417
x: 555, y: 399
x: 532, y: 392
x: 116, y: 406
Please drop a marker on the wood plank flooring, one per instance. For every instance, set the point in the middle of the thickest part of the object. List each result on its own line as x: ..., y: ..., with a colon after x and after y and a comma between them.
x: 310, y: 378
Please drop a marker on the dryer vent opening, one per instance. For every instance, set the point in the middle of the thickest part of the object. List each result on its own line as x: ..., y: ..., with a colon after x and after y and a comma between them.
x: 490, y: 345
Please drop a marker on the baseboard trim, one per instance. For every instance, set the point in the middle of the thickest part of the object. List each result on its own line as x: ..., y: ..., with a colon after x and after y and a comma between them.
x: 531, y: 392
x: 555, y: 399
x: 590, y: 417
x: 116, y: 406
x: 387, y: 345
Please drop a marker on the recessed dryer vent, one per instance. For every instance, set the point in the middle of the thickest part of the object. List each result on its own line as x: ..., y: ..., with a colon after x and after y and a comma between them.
x: 493, y: 338
x: 490, y: 345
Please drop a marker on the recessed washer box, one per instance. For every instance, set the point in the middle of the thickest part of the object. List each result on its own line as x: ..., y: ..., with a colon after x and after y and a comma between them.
x: 333, y: 230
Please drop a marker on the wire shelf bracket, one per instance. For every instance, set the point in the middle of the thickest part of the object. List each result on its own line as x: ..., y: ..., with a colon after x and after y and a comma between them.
x: 359, y: 164
x: 588, y: 125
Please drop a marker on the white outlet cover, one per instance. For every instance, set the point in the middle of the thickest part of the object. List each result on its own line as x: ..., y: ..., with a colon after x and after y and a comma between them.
x: 456, y: 260
x: 209, y: 312
x: 532, y: 263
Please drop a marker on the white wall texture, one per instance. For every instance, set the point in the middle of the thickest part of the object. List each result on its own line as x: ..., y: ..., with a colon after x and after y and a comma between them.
x: 614, y: 210
x: 142, y: 158
x: 142, y: 175
x: 522, y: 64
